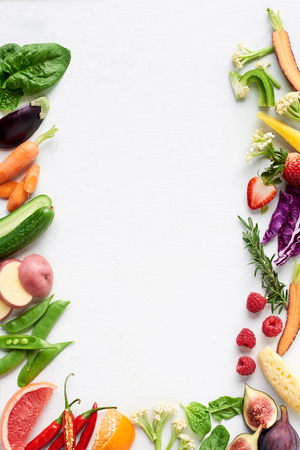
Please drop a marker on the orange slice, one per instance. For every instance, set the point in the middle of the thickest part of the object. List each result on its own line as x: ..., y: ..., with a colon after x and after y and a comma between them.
x: 21, y: 413
x: 116, y: 432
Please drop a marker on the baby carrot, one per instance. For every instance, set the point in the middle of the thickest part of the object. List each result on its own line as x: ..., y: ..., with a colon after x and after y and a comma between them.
x: 7, y: 188
x: 31, y: 178
x: 18, y: 197
x: 22, y: 156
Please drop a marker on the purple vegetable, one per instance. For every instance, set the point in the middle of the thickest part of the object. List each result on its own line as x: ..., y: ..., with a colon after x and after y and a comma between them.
x: 286, y: 232
x: 19, y: 125
x: 279, y: 216
x: 292, y: 250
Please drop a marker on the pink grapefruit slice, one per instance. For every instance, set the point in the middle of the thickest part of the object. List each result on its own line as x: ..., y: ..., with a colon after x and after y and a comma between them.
x: 21, y: 413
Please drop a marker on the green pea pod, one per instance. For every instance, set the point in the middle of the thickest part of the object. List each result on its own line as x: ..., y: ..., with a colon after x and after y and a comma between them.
x: 45, y: 323
x: 41, y: 361
x: 28, y: 318
x: 11, y: 360
x: 24, y: 342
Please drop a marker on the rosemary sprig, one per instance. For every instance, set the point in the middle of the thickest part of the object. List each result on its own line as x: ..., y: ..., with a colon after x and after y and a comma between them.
x: 276, y: 293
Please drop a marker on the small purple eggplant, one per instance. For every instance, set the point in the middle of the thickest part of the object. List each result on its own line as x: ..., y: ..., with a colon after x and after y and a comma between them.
x: 19, y: 125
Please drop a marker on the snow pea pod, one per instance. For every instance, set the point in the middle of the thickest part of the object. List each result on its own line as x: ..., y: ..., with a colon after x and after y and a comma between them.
x: 28, y: 318
x: 11, y: 360
x: 43, y: 358
x: 43, y: 326
x: 24, y: 342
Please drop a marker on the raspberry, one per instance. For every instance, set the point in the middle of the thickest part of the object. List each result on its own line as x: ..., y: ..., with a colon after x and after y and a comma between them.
x: 246, y: 338
x: 245, y: 366
x: 256, y: 302
x: 272, y: 326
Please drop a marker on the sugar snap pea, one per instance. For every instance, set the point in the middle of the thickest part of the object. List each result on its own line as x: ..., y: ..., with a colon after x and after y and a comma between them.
x: 24, y: 342
x: 43, y: 326
x: 43, y: 358
x: 11, y: 360
x: 28, y: 318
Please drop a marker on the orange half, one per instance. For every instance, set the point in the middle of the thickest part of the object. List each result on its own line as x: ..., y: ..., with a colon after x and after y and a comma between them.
x: 115, y: 432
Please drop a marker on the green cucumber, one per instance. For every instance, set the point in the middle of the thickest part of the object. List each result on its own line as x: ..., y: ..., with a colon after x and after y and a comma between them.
x: 8, y: 223
x: 26, y: 229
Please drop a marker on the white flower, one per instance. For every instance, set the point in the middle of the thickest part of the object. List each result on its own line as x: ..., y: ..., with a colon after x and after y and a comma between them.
x: 284, y: 102
x: 161, y: 408
x: 187, y: 441
x: 235, y: 56
x: 179, y: 424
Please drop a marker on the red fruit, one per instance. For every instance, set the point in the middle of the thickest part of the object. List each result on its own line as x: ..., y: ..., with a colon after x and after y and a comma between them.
x: 291, y: 172
x: 245, y: 366
x: 272, y: 326
x: 259, y: 193
x: 246, y: 338
x: 256, y: 302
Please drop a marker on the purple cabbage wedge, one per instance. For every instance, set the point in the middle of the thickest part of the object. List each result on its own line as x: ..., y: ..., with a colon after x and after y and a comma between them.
x: 285, y: 233
x: 279, y: 216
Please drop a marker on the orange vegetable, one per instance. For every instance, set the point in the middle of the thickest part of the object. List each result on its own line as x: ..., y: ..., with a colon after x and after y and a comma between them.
x: 31, y: 178
x: 22, y: 156
x: 18, y: 197
x: 7, y: 188
x: 283, y: 50
x: 292, y: 324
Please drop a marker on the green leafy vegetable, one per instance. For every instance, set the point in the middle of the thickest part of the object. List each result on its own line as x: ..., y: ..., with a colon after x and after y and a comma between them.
x: 198, y: 418
x: 225, y: 408
x: 217, y: 440
x: 35, y: 67
x: 9, y: 98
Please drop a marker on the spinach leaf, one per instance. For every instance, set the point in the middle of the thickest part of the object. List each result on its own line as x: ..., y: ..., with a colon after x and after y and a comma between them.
x: 6, y: 50
x: 225, y: 407
x: 9, y: 99
x: 198, y: 418
x: 35, y: 67
x: 217, y: 440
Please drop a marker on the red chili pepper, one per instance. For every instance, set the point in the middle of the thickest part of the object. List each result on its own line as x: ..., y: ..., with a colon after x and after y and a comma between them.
x: 79, y: 422
x: 88, y: 431
x: 49, y: 433
x: 68, y: 418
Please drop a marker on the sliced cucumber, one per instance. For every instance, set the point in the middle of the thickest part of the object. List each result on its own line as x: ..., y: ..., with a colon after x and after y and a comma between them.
x: 8, y: 223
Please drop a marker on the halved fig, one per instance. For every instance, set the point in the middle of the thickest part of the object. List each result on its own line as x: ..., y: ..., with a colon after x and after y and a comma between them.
x: 258, y: 409
x: 245, y: 441
x: 12, y: 292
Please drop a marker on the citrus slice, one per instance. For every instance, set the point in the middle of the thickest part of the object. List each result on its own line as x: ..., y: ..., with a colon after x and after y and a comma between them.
x: 115, y: 432
x: 21, y: 413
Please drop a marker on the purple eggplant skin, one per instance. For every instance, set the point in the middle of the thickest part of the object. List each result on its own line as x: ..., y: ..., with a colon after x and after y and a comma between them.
x: 281, y: 436
x: 19, y: 125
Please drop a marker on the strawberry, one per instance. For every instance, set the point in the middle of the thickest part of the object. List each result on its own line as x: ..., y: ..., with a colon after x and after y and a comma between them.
x: 259, y: 192
x: 291, y: 172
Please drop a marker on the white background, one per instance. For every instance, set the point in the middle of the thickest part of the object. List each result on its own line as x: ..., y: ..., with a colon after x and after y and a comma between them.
x: 147, y: 176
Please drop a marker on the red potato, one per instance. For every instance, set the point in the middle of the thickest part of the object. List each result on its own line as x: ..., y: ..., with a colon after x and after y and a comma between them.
x: 36, y: 275
x: 11, y: 291
x: 5, y: 310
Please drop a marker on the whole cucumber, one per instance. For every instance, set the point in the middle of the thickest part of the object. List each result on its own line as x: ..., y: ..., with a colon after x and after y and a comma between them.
x: 26, y: 231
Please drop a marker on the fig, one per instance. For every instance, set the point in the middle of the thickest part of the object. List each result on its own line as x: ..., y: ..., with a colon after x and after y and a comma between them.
x: 280, y: 436
x: 246, y: 441
x: 258, y: 409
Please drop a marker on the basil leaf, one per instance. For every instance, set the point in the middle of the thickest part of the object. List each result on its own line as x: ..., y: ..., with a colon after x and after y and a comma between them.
x: 217, y: 440
x: 35, y: 67
x: 198, y: 418
x: 225, y: 407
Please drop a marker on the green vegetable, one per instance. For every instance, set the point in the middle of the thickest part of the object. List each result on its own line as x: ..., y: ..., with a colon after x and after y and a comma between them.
x: 26, y: 231
x: 28, y: 318
x: 225, y: 408
x: 240, y: 85
x: 240, y: 58
x: 9, y: 98
x: 277, y: 295
x: 41, y: 361
x: 32, y: 69
x: 198, y: 418
x: 45, y: 323
x: 19, y: 341
x: 217, y: 440
x: 11, y: 360
x: 260, y: 65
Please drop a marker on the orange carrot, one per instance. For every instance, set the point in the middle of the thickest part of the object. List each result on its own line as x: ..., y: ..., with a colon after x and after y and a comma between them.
x: 7, y: 188
x: 18, y: 197
x: 22, y: 156
x: 31, y: 178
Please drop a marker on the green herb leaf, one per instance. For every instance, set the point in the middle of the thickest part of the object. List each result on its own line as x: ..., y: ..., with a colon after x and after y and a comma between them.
x: 217, y: 440
x: 225, y: 407
x: 35, y: 67
x: 198, y: 418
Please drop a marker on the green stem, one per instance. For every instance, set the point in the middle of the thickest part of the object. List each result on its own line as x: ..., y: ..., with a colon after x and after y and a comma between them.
x: 296, y: 273
x: 275, y: 20
x: 172, y: 440
x: 272, y: 79
x: 49, y: 134
x: 247, y: 57
x: 44, y: 103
